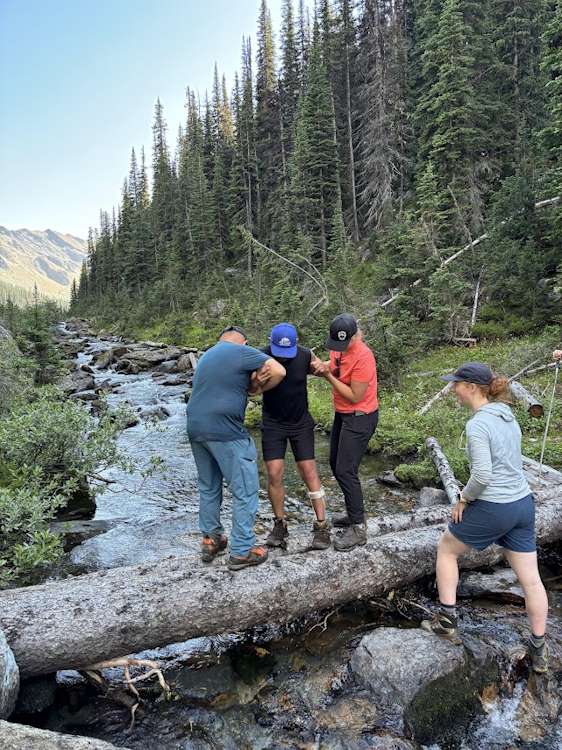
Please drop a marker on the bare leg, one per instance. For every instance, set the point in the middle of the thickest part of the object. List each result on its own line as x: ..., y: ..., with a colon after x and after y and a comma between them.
x: 309, y: 474
x: 448, y: 552
x: 275, y: 487
x: 526, y: 569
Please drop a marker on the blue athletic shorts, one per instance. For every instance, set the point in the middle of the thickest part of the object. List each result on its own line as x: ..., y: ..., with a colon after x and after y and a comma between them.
x: 511, y: 525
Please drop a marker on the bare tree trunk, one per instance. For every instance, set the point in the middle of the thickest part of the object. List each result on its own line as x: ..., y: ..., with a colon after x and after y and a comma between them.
x: 449, y: 481
x: 534, y: 407
x: 476, y: 296
x: 78, y: 621
x: 350, y: 147
x: 443, y: 392
x: 474, y: 243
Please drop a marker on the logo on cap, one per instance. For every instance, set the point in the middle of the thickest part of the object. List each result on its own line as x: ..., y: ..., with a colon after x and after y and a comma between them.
x: 284, y: 341
x: 342, y: 335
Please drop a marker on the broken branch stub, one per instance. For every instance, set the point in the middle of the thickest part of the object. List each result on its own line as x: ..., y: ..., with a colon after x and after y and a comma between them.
x: 521, y: 394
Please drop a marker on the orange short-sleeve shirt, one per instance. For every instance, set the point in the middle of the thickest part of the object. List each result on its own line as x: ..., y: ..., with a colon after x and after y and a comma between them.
x: 356, y: 363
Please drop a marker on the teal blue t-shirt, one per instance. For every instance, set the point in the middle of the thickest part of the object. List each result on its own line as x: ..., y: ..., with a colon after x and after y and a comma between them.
x: 219, y: 396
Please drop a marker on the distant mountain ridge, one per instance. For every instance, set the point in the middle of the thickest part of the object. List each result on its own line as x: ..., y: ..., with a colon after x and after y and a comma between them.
x: 47, y: 258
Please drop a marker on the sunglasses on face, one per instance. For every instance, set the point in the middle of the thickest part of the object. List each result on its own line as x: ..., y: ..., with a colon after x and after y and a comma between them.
x: 235, y: 329
x: 337, y: 367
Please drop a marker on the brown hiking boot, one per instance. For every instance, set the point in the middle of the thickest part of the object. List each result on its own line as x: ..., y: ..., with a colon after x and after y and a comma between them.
x: 277, y: 537
x: 354, y: 536
x: 444, y: 624
x: 211, y: 546
x: 320, y: 535
x: 539, y: 657
x: 341, y: 520
x: 255, y: 556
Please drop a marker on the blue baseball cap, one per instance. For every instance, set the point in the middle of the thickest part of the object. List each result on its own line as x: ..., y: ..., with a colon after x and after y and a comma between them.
x: 284, y: 340
x: 471, y: 372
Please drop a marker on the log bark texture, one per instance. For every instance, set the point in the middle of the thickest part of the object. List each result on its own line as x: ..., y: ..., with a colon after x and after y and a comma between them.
x: 533, y: 406
x: 78, y: 621
x: 450, y: 483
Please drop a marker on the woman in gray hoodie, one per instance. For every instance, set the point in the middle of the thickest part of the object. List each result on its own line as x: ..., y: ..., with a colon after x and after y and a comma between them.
x: 496, y: 506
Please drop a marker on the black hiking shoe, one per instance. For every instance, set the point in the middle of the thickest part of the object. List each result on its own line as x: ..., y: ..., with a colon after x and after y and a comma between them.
x: 320, y: 535
x: 211, y: 546
x: 341, y: 520
x: 539, y: 657
x: 354, y: 536
x: 277, y: 537
x: 444, y: 625
x: 256, y: 556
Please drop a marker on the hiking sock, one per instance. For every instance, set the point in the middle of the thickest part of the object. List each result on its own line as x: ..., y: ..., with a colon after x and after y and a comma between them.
x: 449, y: 609
x: 537, y: 640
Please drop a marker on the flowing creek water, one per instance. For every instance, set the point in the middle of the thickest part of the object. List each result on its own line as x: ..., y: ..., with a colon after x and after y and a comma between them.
x: 273, y: 688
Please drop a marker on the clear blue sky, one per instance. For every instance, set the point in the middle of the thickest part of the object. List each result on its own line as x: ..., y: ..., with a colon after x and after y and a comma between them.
x: 78, y: 82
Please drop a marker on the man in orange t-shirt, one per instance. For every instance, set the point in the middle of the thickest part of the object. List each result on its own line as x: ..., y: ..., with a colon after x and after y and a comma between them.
x: 352, y: 373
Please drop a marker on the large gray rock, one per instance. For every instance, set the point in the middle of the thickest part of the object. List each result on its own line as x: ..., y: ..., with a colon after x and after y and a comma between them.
x: 428, y: 685
x: 430, y: 496
x: 9, y: 679
x: 21, y: 737
x: 146, y: 358
x: 77, y: 381
x: 501, y: 585
x: 397, y: 664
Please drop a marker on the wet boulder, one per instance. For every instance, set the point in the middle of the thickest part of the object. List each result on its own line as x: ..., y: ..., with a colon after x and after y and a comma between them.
x: 427, y: 685
x: 501, y: 585
x: 147, y: 358
x: 90, y: 395
x: 389, y: 478
x: 9, y: 679
x: 21, y: 737
x: 155, y: 413
x: 36, y: 694
x: 431, y: 496
x: 185, y: 362
x: 77, y: 381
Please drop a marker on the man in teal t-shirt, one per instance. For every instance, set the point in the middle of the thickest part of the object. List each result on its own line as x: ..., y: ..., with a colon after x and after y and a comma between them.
x: 221, y: 445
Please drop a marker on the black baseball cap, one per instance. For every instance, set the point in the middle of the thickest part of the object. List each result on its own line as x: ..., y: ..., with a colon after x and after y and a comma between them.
x: 233, y: 329
x: 342, y: 328
x: 471, y: 372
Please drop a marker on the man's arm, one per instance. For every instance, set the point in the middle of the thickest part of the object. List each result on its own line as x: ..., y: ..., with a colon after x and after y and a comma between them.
x: 268, y: 376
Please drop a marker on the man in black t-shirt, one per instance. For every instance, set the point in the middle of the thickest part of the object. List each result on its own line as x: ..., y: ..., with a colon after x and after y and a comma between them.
x: 286, y: 418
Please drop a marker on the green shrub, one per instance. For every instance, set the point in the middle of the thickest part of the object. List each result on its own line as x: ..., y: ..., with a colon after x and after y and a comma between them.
x: 26, y: 544
x: 57, y: 442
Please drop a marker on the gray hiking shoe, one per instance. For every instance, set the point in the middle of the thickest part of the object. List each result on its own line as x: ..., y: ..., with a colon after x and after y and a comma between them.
x: 444, y: 625
x: 354, y: 536
x: 539, y: 657
x: 256, y: 556
x: 320, y: 535
x: 277, y: 537
x: 341, y: 520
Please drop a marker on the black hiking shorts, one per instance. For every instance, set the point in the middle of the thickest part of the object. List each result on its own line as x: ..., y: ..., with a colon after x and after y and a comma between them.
x: 274, y: 440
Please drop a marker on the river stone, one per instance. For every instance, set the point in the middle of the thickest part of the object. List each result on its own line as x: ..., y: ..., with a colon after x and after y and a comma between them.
x: 501, y: 585
x: 146, y: 358
x: 184, y: 363
x: 84, y: 395
x: 36, y: 694
x: 396, y: 664
x: 9, y: 679
x: 21, y: 737
x: 430, y: 496
x: 389, y: 478
x: 77, y: 381
x: 155, y: 412
x: 168, y: 366
x: 428, y: 685
x: 103, y: 360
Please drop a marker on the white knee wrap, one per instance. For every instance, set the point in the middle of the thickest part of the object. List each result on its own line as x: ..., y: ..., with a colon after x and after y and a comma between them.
x: 317, y: 494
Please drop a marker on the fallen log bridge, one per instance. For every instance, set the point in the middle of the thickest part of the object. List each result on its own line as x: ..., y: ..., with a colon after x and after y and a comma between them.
x: 78, y: 621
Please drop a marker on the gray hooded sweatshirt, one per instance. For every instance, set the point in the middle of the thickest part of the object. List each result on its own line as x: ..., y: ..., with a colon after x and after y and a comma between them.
x: 494, y: 451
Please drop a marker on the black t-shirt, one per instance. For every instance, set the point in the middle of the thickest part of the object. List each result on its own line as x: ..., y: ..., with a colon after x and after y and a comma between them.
x: 287, y: 404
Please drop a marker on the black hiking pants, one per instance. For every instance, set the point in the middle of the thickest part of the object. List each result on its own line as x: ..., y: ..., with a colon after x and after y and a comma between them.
x: 348, y: 442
